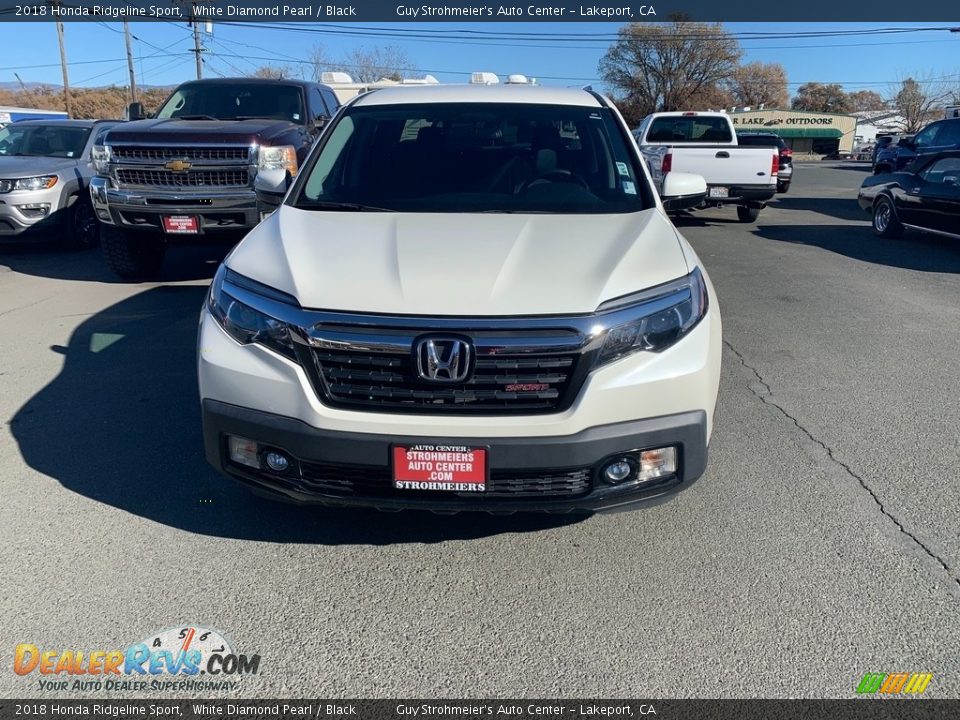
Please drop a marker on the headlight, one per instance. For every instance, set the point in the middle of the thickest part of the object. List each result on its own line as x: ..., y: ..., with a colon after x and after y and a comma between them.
x: 245, y: 324
x: 100, y: 156
x: 664, y: 315
x: 41, y: 182
x: 281, y: 157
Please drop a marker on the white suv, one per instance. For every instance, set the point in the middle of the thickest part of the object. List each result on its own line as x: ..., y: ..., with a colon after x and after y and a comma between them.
x: 471, y: 298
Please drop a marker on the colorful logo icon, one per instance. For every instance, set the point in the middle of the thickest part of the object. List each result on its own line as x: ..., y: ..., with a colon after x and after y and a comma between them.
x: 894, y: 683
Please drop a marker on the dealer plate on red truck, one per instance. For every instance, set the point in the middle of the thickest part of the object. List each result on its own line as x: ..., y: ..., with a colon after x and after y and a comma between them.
x: 454, y: 468
x: 181, y: 224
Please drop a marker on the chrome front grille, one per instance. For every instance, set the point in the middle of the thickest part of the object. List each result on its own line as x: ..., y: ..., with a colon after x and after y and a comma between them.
x: 178, y: 167
x: 238, y: 178
x: 514, y: 372
x: 207, y: 154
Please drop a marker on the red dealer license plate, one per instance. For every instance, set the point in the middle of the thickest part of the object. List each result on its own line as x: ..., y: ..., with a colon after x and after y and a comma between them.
x: 180, y: 224
x: 455, y: 468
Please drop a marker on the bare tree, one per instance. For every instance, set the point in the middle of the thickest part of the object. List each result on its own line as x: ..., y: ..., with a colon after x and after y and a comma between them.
x: 665, y: 66
x: 319, y: 61
x: 274, y: 72
x: 758, y: 83
x: 368, y: 65
x: 866, y: 100
x: 818, y: 97
x: 919, y: 101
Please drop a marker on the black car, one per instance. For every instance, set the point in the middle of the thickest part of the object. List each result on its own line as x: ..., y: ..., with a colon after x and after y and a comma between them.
x: 925, y: 196
x: 761, y: 139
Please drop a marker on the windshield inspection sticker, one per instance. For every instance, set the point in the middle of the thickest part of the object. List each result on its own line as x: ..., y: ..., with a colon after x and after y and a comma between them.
x: 628, y: 187
x: 622, y: 168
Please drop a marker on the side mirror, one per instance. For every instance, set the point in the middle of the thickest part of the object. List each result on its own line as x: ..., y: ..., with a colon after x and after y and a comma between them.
x: 682, y: 191
x: 270, y: 187
x: 135, y: 111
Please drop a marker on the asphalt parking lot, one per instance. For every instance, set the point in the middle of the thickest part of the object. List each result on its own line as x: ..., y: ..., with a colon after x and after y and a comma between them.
x: 822, y: 543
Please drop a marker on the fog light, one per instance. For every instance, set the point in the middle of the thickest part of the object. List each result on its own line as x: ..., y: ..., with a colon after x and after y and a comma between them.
x: 34, y: 210
x: 243, y: 451
x: 619, y: 470
x: 657, y: 463
x: 276, y: 461
x: 103, y: 214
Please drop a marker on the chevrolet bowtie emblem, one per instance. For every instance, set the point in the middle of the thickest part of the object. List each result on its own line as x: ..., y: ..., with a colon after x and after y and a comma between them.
x: 177, y: 165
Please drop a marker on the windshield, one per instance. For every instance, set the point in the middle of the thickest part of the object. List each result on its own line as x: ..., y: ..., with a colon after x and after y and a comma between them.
x: 475, y: 157
x: 759, y: 140
x: 689, y: 128
x: 234, y: 101
x: 43, y: 140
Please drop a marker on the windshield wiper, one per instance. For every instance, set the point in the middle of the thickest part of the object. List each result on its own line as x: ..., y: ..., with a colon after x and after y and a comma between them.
x: 194, y: 117
x: 342, y: 206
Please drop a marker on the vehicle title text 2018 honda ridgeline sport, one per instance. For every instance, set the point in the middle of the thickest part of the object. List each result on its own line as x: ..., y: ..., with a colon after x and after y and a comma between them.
x: 469, y: 299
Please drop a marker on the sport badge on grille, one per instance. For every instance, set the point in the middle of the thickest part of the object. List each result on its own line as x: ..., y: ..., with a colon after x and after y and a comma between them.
x: 443, y: 359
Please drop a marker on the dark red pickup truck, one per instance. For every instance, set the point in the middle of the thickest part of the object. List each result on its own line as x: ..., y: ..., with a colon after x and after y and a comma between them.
x: 188, y: 172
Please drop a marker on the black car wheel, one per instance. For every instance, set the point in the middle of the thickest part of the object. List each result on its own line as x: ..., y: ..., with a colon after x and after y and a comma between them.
x: 747, y: 214
x: 83, y: 230
x: 782, y: 187
x: 885, y: 221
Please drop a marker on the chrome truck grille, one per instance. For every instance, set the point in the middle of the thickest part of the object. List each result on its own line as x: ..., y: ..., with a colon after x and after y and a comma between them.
x: 183, y: 167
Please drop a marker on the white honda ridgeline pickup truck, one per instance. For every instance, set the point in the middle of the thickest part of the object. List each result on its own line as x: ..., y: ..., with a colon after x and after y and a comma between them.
x: 705, y: 143
x: 469, y: 298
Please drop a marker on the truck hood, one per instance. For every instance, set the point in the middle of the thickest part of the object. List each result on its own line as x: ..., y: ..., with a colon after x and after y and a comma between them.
x: 199, y: 131
x: 21, y: 166
x: 462, y: 265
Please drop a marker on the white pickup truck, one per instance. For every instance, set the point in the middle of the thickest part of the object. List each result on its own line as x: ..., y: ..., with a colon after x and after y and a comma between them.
x: 705, y: 143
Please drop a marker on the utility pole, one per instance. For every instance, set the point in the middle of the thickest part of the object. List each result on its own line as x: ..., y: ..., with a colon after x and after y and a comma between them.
x: 63, y: 64
x: 133, y: 75
x: 196, y: 41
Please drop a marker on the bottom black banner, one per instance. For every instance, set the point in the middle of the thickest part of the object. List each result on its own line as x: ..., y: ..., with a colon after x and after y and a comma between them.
x: 861, y: 709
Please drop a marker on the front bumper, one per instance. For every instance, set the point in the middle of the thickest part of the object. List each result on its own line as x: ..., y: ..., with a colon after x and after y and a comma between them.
x: 144, y: 209
x: 353, y: 469
x: 24, y: 215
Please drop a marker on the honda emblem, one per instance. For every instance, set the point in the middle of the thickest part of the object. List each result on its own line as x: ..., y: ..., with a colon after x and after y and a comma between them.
x: 444, y: 360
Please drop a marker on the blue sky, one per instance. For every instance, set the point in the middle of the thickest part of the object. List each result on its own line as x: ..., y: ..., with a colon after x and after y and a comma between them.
x: 162, y: 52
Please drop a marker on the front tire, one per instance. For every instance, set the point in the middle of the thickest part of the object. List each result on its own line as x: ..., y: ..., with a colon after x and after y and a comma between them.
x: 132, y: 255
x: 83, y: 228
x: 885, y: 221
x: 747, y: 214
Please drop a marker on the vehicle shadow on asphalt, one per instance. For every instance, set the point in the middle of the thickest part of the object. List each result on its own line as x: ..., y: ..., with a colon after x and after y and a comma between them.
x: 840, y: 208
x: 914, y: 251
x: 688, y: 218
x: 184, y: 263
x: 120, y: 425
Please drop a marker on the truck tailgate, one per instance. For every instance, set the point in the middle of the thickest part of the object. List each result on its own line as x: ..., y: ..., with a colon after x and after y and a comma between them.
x: 728, y: 165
